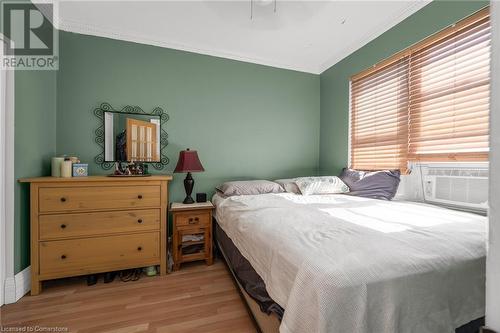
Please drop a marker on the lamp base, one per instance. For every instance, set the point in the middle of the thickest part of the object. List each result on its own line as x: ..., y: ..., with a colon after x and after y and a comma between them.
x: 188, y: 186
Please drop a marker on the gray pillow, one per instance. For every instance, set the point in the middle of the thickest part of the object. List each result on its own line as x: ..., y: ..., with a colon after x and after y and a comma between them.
x: 249, y: 187
x: 289, y: 185
x: 372, y: 184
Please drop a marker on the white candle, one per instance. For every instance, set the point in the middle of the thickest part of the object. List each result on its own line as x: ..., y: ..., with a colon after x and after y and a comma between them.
x: 66, y: 168
x: 56, y: 166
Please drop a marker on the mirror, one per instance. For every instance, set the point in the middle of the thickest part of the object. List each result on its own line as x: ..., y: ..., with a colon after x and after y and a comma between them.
x: 130, y: 134
x: 131, y: 137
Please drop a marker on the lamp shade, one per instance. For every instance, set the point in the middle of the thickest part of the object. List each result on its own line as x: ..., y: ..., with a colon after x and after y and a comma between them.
x: 188, y: 162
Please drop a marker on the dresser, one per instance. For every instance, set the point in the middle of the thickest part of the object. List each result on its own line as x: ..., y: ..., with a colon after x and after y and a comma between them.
x: 87, y: 225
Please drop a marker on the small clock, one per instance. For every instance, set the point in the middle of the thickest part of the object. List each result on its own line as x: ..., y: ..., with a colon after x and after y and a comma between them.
x: 80, y: 170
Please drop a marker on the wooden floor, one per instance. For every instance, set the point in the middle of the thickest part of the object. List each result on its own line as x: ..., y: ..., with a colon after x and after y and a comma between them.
x: 197, y: 298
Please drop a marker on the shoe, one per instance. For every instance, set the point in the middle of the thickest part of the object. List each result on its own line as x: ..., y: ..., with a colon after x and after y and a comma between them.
x: 150, y: 270
x: 91, y: 279
x: 109, y: 277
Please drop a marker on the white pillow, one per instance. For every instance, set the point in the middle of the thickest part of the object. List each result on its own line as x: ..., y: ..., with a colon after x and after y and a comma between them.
x: 321, y: 185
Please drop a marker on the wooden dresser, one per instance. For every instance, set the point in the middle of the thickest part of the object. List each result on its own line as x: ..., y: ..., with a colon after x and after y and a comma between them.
x: 87, y: 225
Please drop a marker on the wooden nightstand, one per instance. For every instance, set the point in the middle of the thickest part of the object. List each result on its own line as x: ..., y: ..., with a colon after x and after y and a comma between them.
x: 192, y: 232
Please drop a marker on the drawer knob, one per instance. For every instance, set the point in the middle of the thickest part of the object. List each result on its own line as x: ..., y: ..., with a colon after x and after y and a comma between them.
x: 139, y: 221
x: 139, y: 248
x: 63, y: 199
x: 63, y: 226
x: 139, y: 196
x: 63, y: 256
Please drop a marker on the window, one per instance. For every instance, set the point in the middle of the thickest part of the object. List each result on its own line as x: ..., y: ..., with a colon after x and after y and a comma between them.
x: 429, y: 102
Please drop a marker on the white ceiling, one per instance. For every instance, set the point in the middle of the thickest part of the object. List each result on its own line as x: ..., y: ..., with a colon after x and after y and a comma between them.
x: 308, y: 36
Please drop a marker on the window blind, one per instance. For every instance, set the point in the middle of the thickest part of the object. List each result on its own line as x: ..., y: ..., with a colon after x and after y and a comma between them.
x: 449, y: 96
x: 379, y: 124
x: 429, y: 102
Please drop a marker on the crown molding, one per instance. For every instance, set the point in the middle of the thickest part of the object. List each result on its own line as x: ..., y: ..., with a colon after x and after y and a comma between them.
x: 93, y: 30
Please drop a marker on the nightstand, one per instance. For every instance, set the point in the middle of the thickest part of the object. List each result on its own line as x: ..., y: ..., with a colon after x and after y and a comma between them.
x: 192, y: 232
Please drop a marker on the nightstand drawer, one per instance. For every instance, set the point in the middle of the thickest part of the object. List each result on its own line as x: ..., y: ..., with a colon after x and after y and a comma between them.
x: 192, y: 219
x: 99, y: 223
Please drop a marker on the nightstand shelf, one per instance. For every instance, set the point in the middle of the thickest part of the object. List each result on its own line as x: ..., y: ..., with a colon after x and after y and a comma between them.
x: 188, y: 243
x: 192, y: 232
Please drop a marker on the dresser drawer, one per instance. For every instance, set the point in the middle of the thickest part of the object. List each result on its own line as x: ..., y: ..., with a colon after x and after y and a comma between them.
x: 99, y: 223
x: 91, y: 255
x: 60, y: 199
x: 192, y: 219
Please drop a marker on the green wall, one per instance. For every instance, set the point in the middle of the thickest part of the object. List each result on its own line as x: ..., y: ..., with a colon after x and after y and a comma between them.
x: 245, y: 120
x: 35, y: 144
x: 335, y: 81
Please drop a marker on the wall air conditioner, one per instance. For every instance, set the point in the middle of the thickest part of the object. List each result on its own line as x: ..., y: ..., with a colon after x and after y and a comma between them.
x: 458, y: 185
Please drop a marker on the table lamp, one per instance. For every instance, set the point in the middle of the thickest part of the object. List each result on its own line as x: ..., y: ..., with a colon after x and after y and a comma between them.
x: 188, y: 162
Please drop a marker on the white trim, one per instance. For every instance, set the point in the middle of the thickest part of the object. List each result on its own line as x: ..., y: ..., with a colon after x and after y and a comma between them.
x: 18, y: 286
x: 7, y: 166
x: 493, y: 256
x: 9, y: 175
x: 3, y: 144
x: 95, y: 30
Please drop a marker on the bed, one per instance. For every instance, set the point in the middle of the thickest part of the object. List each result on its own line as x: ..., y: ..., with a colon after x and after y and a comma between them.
x: 339, y: 263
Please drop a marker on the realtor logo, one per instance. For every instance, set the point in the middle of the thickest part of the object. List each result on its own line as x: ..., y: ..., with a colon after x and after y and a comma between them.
x: 30, y: 40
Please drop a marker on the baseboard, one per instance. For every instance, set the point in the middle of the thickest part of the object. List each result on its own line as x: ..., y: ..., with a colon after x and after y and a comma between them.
x: 10, y: 290
x: 18, y: 286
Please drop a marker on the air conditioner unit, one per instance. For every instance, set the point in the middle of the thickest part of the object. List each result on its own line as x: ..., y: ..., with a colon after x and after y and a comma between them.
x: 456, y: 185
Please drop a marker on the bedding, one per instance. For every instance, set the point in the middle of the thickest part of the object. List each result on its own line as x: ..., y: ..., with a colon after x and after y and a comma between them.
x: 372, y: 184
x: 248, y: 187
x: 254, y: 286
x: 348, y: 264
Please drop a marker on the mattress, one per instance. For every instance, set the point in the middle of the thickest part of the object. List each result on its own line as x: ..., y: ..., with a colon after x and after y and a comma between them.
x: 252, y: 217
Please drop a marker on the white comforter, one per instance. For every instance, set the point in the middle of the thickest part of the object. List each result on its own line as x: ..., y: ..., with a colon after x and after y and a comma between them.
x: 346, y: 264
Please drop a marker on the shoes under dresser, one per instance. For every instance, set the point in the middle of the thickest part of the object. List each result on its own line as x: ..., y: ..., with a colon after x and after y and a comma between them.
x: 96, y: 224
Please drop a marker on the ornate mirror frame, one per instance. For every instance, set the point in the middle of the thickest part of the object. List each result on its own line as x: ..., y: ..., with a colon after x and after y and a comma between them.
x: 99, y: 133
